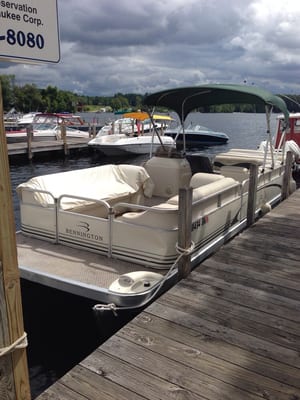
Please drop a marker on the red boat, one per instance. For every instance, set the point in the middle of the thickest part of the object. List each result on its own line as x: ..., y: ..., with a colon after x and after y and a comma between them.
x: 291, y: 133
x: 290, y: 140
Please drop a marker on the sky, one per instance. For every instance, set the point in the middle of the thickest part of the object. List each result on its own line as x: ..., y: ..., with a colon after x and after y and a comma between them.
x: 130, y: 46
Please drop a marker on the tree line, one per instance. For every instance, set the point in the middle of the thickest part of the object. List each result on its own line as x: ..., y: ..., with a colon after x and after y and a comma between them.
x: 29, y: 97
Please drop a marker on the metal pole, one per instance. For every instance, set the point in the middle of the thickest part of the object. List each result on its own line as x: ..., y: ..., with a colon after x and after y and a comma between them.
x: 252, y: 189
x: 285, y: 190
x: 185, y: 230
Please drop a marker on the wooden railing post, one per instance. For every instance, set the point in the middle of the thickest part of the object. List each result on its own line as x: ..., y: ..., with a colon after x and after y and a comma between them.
x: 14, y: 378
x: 252, y: 189
x: 185, y: 230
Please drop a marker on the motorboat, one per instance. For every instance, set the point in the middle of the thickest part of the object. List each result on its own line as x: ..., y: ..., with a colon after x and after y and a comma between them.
x: 45, y: 131
x: 26, y: 119
x: 136, y: 123
x: 33, y: 118
x: 47, y: 126
x: 289, y: 138
x: 196, y: 136
x: 128, y: 144
x: 133, y: 213
x: 133, y: 134
x: 67, y: 119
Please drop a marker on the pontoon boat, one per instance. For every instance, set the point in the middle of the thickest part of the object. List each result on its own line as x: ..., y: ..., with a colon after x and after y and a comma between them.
x: 131, y: 213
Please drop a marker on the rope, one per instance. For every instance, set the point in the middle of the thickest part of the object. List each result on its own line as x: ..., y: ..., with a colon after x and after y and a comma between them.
x: 112, y: 307
x: 185, y: 252
x: 20, y: 343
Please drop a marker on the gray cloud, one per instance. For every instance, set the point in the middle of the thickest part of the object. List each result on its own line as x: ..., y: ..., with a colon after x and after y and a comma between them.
x: 111, y: 46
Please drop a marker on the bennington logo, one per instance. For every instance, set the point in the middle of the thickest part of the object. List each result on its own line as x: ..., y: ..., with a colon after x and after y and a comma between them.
x: 84, y: 232
x: 199, y: 222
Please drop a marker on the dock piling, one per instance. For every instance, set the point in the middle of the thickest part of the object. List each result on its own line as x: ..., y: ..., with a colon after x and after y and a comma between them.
x: 14, y: 378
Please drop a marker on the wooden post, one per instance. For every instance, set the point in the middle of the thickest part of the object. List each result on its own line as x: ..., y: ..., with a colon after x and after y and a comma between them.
x: 14, y: 378
x: 64, y: 138
x: 29, y: 132
x: 185, y: 230
x: 285, y: 190
x: 252, y: 189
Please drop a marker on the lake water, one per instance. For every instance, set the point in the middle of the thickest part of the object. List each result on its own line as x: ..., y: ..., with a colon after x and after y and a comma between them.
x: 62, y: 328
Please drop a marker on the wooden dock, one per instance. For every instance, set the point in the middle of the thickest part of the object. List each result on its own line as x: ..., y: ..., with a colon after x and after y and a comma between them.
x: 230, y: 331
x: 21, y: 148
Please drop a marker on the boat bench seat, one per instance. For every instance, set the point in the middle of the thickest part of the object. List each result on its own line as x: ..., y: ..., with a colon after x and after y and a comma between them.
x: 236, y: 163
x: 89, y: 191
x: 203, y: 178
x: 238, y: 173
x: 238, y: 159
x: 165, y: 215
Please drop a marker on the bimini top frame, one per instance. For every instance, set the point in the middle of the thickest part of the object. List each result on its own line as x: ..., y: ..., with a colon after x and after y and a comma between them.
x: 186, y: 99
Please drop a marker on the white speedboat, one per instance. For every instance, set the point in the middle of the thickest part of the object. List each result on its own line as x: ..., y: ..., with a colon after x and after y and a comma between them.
x: 26, y: 119
x: 136, y: 123
x: 133, y: 213
x: 119, y: 144
x: 196, y: 136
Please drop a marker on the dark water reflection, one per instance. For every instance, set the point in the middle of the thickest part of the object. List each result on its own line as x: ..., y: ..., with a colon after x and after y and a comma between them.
x: 61, y: 327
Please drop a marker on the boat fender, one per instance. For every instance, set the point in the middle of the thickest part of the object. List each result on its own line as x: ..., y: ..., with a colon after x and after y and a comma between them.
x: 135, y: 282
x: 265, y: 208
x: 292, y: 146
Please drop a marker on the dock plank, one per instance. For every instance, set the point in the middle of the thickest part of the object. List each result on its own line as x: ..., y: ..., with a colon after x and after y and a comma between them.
x: 21, y: 148
x: 230, y: 330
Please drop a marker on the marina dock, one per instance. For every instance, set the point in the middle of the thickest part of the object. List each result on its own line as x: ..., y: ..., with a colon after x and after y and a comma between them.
x: 53, y: 146
x: 231, y: 330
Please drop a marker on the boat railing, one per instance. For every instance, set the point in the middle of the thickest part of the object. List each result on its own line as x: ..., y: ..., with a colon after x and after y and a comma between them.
x: 81, y: 208
x: 173, y: 208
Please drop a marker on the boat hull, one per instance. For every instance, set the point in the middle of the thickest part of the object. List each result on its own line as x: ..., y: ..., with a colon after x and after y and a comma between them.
x: 121, y: 144
x: 125, y: 227
x: 196, y: 140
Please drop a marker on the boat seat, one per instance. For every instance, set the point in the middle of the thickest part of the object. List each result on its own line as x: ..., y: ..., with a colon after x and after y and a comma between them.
x: 168, y: 175
x: 237, y: 159
x: 200, y: 163
x: 82, y: 191
x: 238, y: 173
x: 203, y: 178
x: 165, y: 215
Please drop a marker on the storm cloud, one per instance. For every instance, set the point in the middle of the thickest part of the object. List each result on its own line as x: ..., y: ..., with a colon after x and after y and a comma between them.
x: 114, y: 46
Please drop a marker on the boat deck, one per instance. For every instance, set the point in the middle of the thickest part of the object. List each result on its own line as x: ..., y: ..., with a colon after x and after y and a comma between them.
x: 75, y: 271
x: 230, y: 331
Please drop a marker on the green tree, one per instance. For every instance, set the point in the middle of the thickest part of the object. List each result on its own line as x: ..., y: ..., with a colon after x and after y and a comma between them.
x: 7, y: 85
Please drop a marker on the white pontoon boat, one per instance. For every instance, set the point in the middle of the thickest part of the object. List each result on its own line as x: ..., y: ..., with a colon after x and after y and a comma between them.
x: 131, y: 213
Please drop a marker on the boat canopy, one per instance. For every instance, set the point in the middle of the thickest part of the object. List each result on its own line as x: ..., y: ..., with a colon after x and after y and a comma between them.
x: 186, y: 99
x: 140, y: 115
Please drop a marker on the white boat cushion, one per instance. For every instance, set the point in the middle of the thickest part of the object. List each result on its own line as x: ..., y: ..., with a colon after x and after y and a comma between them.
x: 206, y: 190
x: 169, y: 218
x: 238, y: 173
x: 203, y: 178
x: 105, y: 182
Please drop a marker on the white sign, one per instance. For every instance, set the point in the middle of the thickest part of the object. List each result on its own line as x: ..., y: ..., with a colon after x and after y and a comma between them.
x: 29, y: 31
